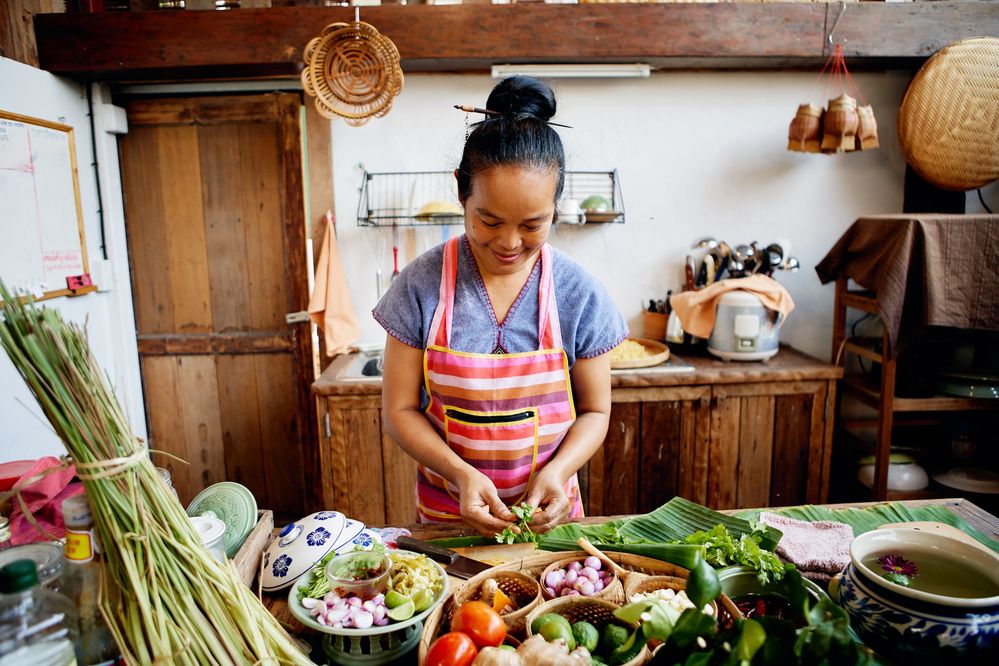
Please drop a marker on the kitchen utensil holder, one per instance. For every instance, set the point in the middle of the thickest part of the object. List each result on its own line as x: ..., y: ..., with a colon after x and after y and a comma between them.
x: 395, y: 198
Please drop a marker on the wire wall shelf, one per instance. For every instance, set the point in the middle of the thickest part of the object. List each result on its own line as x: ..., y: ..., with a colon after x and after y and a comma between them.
x: 430, y: 198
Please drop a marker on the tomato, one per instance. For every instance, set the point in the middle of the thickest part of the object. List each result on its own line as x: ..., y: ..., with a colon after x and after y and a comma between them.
x: 453, y: 649
x: 480, y: 622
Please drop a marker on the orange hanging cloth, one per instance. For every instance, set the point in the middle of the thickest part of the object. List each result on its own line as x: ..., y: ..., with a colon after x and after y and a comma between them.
x: 330, y: 306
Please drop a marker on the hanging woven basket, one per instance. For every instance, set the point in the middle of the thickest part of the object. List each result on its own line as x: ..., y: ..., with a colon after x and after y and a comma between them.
x: 353, y: 72
x: 948, y: 124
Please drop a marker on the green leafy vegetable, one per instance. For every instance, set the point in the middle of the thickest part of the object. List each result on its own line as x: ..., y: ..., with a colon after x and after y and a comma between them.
x: 722, y: 550
x: 523, y: 534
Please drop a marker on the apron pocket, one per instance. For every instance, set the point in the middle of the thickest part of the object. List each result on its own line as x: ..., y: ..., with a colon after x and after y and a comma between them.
x: 502, y: 445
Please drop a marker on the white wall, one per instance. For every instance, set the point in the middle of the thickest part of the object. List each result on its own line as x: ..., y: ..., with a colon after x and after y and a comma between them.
x: 699, y: 153
x: 24, y: 432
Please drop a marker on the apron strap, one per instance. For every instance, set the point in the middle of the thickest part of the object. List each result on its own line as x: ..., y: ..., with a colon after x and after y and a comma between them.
x: 549, y: 329
x: 441, y: 335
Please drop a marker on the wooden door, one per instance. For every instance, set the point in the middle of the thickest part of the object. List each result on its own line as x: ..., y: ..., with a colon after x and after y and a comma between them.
x: 656, y: 448
x: 215, y: 217
x: 768, y: 444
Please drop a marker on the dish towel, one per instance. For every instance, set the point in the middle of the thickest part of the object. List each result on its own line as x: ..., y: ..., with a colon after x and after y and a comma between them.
x: 696, y: 309
x: 820, y: 550
x: 330, y: 306
x: 43, y: 499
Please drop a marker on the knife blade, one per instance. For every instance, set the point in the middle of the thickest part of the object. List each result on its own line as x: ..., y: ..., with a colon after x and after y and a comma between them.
x: 456, y: 565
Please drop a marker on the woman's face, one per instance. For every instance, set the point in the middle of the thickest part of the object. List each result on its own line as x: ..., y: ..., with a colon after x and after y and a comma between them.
x: 508, y: 216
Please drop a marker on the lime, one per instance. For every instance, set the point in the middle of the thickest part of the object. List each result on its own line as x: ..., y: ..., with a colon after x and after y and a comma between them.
x: 614, y: 637
x: 393, y: 599
x: 586, y: 635
x: 403, y: 612
x: 542, y: 620
x: 421, y: 599
x: 555, y: 629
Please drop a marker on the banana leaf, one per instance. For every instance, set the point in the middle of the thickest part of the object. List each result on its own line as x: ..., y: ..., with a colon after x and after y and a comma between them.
x: 673, y: 521
x: 872, y: 517
x: 681, y: 555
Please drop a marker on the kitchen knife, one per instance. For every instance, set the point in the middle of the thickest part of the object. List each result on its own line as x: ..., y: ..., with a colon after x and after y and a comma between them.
x: 457, y: 565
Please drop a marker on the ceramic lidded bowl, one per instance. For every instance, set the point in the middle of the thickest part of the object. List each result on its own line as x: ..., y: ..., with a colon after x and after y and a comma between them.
x: 301, y: 544
x: 956, y: 613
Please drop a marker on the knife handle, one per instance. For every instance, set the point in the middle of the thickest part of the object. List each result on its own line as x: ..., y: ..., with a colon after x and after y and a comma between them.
x: 443, y: 555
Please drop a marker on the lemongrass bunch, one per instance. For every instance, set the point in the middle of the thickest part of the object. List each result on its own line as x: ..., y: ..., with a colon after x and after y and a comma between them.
x: 167, y: 599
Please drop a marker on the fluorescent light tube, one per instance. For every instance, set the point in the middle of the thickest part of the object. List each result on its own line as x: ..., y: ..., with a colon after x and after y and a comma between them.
x: 577, y: 71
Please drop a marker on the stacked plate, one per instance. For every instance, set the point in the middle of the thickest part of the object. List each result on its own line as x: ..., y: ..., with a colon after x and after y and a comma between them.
x: 304, y: 542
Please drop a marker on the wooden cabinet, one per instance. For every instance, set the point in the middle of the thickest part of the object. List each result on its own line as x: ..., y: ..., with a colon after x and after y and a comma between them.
x: 727, y: 435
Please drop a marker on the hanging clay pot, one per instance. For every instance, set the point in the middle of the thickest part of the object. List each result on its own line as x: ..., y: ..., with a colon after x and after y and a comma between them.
x: 806, y: 129
x: 840, y: 125
x: 867, y: 128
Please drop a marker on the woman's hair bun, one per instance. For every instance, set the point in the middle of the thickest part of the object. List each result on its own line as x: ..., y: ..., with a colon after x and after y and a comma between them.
x: 522, y: 96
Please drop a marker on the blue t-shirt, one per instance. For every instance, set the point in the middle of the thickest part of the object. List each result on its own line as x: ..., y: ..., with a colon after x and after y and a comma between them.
x: 591, y: 323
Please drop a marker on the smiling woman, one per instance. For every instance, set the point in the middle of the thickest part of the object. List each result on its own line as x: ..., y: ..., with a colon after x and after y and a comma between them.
x: 496, y: 372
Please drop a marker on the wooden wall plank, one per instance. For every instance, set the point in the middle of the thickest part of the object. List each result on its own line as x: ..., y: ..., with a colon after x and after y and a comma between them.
x: 319, y: 167
x: 211, y: 343
x: 365, y: 474
x: 828, y: 422
x: 620, y: 469
x: 252, y: 42
x: 241, y: 431
x: 143, y: 191
x: 201, y: 420
x: 723, y: 454
x: 225, y: 235
x: 400, y: 483
x: 282, y: 458
x: 264, y: 239
x: 658, y: 469
x: 793, y: 428
x: 202, y: 110
x: 335, y: 457
x: 180, y: 175
x: 159, y: 376
x: 816, y: 448
x: 756, y: 438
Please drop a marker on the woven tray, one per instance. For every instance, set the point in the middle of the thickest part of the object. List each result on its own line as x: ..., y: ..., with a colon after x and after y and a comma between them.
x: 948, y: 124
x: 439, y: 621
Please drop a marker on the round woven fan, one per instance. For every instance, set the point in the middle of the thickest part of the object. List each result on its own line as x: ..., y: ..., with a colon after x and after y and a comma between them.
x: 353, y: 71
x: 949, y: 120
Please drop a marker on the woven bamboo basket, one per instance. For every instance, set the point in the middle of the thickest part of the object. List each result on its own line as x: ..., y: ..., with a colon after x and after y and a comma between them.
x: 439, y: 622
x: 598, y: 612
x: 523, y: 589
x: 676, y: 583
x: 614, y: 590
x: 948, y: 123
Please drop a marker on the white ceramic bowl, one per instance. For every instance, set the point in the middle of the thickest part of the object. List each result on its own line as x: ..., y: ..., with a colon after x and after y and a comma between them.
x: 906, y: 623
x: 901, y: 476
x: 303, y: 543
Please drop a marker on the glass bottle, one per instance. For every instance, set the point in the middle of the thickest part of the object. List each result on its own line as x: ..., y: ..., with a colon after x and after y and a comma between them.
x: 37, y: 625
x: 4, y: 533
x: 171, y: 4
x: 81, y: 581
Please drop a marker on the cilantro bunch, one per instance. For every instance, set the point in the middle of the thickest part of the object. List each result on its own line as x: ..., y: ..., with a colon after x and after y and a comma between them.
x: 524, y: 513
x: 721, y: 549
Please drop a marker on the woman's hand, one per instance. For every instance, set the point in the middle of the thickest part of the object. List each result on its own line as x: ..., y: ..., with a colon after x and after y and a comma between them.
x: 547, y: 492
x: 481, y: 507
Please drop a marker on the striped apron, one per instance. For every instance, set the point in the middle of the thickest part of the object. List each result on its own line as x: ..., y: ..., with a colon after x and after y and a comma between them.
x: 504, y: 414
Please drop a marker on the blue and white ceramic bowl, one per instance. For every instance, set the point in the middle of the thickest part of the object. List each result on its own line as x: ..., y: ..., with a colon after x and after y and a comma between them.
x: 303, y: 543
x: 910, y: 624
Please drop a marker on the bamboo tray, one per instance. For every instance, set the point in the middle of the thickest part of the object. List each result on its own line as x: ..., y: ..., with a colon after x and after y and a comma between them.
x: 439, y: 621
x: 657, y: 352
x: 247, y: 558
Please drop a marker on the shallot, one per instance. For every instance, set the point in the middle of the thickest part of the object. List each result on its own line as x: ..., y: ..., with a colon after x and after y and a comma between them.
x: 584, y: 578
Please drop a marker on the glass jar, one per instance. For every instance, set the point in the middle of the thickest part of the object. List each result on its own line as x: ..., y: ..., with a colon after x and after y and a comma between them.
x: 35, y: 623
x: 46, y: 556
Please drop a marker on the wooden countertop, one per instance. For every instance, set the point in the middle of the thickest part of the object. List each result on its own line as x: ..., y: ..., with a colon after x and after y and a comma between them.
x: 277, y: 603
x: 787, y: 366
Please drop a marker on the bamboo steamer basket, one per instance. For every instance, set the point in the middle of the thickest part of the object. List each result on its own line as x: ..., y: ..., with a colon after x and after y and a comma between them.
x: 867, y: 128
x: 614, y: 590
x: 805, y: 133
x: 839, y: 125
x: 523, y: 589
x: 439, y: 621
x: 596, y: 611
x: 948, y: 123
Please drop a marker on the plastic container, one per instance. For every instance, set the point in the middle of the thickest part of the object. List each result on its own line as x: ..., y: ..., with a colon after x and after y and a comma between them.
x: 32, y: 617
